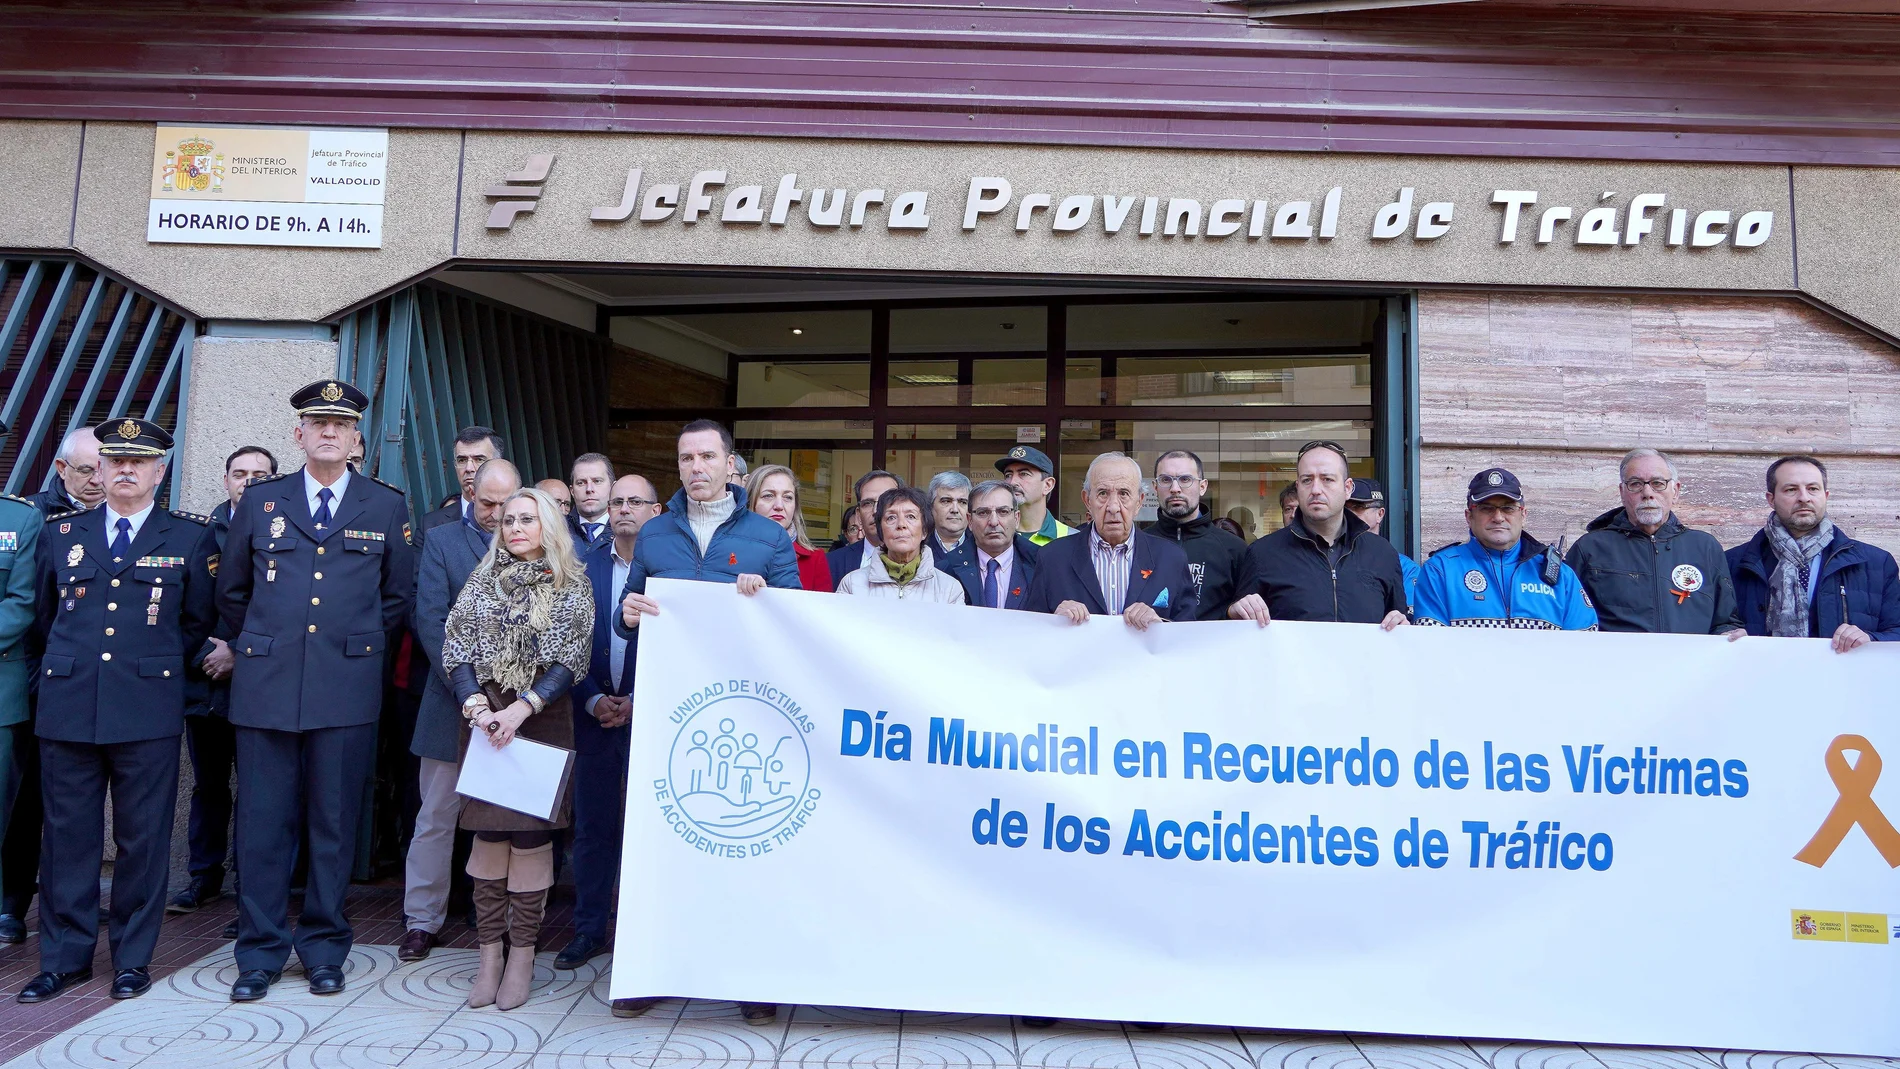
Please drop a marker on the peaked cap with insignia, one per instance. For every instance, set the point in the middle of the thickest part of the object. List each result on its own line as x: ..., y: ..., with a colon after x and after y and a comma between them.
x: 127, y: 436
x: 329, y: 397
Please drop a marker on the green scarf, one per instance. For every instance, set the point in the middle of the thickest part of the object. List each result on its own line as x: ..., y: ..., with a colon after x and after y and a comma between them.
x: 901, y: 574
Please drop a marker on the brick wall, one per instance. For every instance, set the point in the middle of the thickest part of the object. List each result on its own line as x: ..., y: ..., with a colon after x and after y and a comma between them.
x: 643, y: 381
x: 1557, y: 386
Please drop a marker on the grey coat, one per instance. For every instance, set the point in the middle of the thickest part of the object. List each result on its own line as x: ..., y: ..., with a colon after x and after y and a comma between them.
x: 448, y: 556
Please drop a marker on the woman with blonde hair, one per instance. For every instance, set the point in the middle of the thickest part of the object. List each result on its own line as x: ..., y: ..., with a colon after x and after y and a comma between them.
x: 520, y: 634
x: 772, y: 492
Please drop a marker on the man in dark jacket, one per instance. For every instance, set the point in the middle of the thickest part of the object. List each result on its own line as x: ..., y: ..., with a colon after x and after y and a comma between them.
x: 1801, y: 576
x: 1104, y: 569
x: 707, y: 534
x: 1326, y: 564
x: 1002, y: 561
x: 1214, y: 556
x: 1645, y: 571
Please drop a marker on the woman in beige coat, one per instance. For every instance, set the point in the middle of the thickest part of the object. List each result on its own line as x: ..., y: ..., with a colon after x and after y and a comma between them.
x: 904, y: 571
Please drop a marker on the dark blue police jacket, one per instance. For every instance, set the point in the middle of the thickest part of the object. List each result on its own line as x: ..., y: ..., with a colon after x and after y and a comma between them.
x: 1158, y: 577
x: 310, y: 641
x: 119, y: 634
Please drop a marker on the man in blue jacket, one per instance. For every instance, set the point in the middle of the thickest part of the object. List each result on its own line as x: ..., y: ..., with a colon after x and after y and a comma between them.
x: 1105, y: 569
x: 1803, y: 577
x: 708, y: 534
x: 1502, y: 577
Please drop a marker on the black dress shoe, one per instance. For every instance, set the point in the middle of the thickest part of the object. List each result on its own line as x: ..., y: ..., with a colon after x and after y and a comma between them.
x: 758, y: 1013
x: 192, y: 897
x: 48, y: 984
x: 579, y: 951
x: 253, y: 984
x: 415, y: 945
x: 325, y: 979
x: 230, y: 930
x: 131, y: 983
x: 12, y: 929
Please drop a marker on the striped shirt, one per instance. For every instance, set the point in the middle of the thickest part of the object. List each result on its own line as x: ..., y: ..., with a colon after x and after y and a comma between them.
x: 1112, y: 565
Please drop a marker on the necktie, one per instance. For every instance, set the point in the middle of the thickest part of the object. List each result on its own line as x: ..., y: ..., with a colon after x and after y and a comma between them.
x: 122, y: 544
x: 593, y: 532
x: 989, y: 586
x: 322, y: 516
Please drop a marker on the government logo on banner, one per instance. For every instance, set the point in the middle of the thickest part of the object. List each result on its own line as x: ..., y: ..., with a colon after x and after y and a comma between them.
x: 739, y: 779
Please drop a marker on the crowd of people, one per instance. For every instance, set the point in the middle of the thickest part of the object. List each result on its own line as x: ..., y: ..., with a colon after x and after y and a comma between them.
x: 269, y: 626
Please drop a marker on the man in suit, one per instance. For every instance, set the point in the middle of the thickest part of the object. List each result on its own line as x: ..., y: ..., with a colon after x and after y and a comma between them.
x: 447, y: 560
x: 318, y: 584
x: 1002, y: 561
x: 20, y: 522
x: 591, y: 479
x: 949, y: 543
x: 208, y: 735
x: 474, y: 446
x: 603, y: 707
x: 1106, y: 569
x: 121, y: 614
x: 851, y: 556
x: 80, y: 486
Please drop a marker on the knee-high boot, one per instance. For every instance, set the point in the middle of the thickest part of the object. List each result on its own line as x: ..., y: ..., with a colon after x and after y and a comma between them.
x: 530, y: 874
x: 488, y: 866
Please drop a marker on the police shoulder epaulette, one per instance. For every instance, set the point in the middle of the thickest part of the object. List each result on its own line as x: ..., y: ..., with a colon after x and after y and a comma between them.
x: 64, y: 514
x: 16, y: 497
x: 198, y: 518
x: 272, y: 478
x: 379, y: 482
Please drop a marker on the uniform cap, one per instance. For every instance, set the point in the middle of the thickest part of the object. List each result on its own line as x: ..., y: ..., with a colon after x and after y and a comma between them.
x: 329, y: 397
x: 1367, y: 492
x: 126, y: 436
x: 1493, y: 482
x: 1026, y: 454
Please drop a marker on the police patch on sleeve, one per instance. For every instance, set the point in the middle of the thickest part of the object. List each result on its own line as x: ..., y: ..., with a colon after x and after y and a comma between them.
x: 1687, y: 577
x: 1474, y: 581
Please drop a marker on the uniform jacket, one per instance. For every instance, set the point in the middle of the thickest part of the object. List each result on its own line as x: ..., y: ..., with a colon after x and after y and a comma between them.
x: 119, y: 634
x: 1470, y: 586
x: 310, y: 650
x: 600, y: 674
x: 1214, y: 559
x: 1021, y: 571
x: 1634, y: 578
x: 1158, y: 577
x: 746, y: 544
x: 1289, y: 570
x: 1858, y: 585
x: 19, y: 561
x: 450, y: 554
x: 205, y: 696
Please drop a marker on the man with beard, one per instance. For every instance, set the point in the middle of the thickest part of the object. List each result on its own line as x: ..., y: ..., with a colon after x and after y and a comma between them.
x: 1802, y: 577
x: 1645, y: 571
x: 1214, y: 556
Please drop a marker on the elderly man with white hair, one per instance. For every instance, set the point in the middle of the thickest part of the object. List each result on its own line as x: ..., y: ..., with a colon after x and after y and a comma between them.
x: 1645, y: 571
x: 81, y: 483
x: 1108, y: 568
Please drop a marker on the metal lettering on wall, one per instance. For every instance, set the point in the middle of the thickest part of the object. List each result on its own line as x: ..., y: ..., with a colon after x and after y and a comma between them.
x: 708, y: 195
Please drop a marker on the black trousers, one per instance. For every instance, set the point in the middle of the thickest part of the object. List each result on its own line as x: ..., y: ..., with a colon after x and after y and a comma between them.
x: 600, y: 802
x: 292, y: 781
x: 20, y: 851
x: 75, y: 777
x: 213, y: 748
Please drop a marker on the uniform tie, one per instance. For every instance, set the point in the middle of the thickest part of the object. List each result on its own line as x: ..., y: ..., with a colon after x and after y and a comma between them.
x: 989, y: 586
x: 322, y: 516
x: 122, y: 543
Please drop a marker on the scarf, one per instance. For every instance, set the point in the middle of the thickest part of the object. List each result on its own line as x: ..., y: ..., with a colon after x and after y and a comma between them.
x: 902, y: 574
x: 512, y: 624
x: 1788, y: 585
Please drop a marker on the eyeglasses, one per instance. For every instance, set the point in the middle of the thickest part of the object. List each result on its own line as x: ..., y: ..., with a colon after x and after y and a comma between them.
x: 993, y: 514
x: 82, y: 471
x: 629, y: 502
x: 1176, y: 482
x: 1324, y: 443
x: 1635, y: 486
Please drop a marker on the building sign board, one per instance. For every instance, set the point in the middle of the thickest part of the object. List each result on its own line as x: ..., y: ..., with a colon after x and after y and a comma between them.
x: 289, y: 186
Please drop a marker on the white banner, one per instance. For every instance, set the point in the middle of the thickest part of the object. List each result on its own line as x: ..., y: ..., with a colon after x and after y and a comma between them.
x: 1567, y: 837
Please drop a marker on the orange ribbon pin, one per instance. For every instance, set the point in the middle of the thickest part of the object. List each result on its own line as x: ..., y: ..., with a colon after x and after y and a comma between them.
x: 1854, y: 806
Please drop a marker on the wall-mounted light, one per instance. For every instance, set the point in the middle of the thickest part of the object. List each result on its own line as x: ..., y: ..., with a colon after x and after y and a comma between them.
x: 797, y: 330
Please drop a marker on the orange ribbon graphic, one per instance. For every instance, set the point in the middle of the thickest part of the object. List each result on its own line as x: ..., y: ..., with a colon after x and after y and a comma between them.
x: 1854, y: 806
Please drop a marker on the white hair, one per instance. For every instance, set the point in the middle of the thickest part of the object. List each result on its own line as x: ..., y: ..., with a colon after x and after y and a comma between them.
x: 948, y: 480
x: 1634, y: 455
x: 72, y: 439
x: 1113, y: 457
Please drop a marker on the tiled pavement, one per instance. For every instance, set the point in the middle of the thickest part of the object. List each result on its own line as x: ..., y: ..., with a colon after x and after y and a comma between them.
x: 412, y: 1015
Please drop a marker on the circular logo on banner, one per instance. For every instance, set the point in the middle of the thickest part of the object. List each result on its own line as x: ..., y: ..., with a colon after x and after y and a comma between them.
x: 1474, y: 581
x: 1687, y: 577
x: 739, y: 773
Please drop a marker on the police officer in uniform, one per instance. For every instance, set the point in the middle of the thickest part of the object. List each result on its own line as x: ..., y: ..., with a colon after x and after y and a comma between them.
x: 121, y: 616
x: 316, y: 579
x: 19, y: 541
